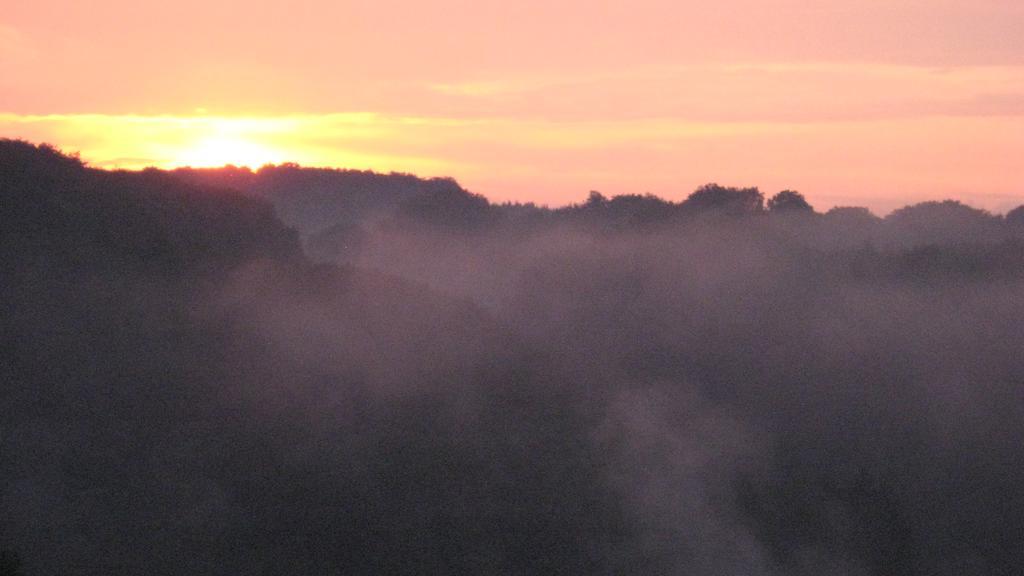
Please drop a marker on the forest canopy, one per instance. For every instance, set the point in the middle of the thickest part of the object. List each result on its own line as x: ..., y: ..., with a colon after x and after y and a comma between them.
x: 310, y: 371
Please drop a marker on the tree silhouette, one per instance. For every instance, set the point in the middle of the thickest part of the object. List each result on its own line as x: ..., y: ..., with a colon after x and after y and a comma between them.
x: 596, y: 199
x: 946, y: 222
x: 789, y: 201
x: 724, y: 199
x: 1015, y: 217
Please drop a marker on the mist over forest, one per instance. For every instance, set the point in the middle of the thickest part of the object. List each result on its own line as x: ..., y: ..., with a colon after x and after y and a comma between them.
x: 298, y: 371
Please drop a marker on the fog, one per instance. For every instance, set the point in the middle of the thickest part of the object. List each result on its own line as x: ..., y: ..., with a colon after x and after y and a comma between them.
x: 298, y: 371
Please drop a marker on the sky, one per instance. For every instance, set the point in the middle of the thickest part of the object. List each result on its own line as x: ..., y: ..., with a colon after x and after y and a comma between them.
x: 877, y: 103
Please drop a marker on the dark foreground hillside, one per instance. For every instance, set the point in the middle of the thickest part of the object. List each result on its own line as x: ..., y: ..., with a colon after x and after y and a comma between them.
x: 725, y: 385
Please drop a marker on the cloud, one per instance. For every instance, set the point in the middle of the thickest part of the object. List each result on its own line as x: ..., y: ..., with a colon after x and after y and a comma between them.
x: 748, y: 92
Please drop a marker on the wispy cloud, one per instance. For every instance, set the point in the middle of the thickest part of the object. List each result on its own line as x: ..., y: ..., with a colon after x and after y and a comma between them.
x: 475, y: 89
x: 746, y: 92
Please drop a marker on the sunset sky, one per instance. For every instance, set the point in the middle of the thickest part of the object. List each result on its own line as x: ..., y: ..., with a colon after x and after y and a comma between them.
x: 867, y: 102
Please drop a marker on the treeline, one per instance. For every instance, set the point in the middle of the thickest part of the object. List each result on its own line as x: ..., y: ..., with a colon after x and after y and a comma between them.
x: 336, y: 209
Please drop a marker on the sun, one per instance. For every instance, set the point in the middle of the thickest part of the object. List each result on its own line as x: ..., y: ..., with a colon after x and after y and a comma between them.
x: 220, y: 150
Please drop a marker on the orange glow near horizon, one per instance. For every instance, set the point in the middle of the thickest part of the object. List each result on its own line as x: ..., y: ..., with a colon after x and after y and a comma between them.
x: 224, y: 150
x: 856, y: 102
x: 134, y: 142
x: 879, y: 163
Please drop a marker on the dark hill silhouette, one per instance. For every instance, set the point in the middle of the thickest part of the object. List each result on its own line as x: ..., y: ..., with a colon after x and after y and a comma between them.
x: 128, y: 219
x: 626, y: 385
x: 313, y: 199
x: 166, y: 345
